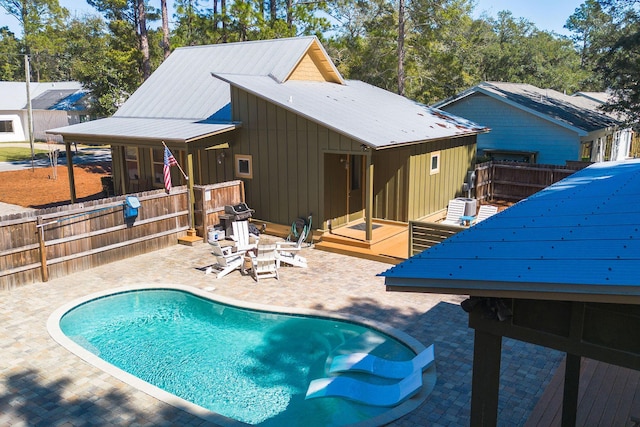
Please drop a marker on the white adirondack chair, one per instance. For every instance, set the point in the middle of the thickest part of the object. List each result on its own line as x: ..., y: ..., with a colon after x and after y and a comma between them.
x: 226, y: 261
x: 242, y: 237
x: 264, y: 264
x: 455, y: 211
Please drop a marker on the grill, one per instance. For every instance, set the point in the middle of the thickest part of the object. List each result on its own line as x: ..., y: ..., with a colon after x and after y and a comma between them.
x: 238, y: 212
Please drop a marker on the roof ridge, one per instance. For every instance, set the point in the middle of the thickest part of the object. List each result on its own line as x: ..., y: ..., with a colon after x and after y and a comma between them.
x: 238, y: 43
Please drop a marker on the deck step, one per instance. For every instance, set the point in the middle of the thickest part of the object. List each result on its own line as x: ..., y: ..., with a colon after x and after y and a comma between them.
x: 335, y: 238
x: 356, y: 252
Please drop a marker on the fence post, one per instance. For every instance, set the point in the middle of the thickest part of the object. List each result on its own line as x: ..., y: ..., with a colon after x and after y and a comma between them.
x: 43, y: 250
x: 203, y: 212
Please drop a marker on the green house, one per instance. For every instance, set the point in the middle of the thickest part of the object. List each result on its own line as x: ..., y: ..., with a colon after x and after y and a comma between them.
x: 278, y: 115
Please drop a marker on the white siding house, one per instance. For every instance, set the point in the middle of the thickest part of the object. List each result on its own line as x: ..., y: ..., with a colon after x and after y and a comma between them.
x: 53, y: 104
x: 535, y: 125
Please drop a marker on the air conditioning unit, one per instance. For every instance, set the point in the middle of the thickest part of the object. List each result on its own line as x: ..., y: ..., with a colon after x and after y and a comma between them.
x: 470, y: 206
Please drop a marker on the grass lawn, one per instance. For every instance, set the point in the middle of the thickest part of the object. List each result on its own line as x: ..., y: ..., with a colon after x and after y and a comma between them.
x: 14, y: 154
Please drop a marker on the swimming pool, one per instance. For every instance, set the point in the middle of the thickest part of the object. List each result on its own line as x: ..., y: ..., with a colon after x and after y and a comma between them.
x: 250, y: 365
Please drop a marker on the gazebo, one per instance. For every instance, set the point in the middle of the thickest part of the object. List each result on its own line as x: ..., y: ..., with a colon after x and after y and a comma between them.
x: 559, y: 269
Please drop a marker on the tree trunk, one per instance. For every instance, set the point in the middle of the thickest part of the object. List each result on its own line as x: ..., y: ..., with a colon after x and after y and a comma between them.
x: 223, y: 9
x: 144, y: 41
x: 273, y: 11
x: 165, y: 28
x: 289, y: 14
x: 401, y: 48
x: 215, y: 14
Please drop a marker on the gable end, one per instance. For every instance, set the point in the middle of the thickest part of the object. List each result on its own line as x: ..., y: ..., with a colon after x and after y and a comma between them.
x: 315, y: 65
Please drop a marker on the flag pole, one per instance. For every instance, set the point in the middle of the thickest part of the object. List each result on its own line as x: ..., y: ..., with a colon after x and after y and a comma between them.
x: 177, y: 164
x: 191, y: 231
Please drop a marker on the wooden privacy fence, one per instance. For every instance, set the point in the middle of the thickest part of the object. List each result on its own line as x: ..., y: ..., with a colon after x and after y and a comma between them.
x: 54, y: 242
x: 516, y: 181
x: 423, y: 235
x: 210, y: 201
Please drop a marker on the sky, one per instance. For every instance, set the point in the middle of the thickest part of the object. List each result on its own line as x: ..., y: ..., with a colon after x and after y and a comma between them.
x: 549, y: 15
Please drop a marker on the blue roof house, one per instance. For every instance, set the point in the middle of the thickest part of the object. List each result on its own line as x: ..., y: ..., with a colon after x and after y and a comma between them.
x: 534, y: 125
x: 53, y: 104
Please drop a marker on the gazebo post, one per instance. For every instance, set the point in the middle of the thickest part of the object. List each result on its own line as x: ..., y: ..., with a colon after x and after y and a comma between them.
x: 570, y: 393
x: 487, y: 349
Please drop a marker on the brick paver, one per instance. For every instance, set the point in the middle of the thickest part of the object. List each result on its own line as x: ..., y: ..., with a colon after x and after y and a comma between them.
x: 43, y: 384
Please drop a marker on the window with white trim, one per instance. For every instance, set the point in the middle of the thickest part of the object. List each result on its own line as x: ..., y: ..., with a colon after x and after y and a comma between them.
x: 434, y: 167
x: 243, y: 166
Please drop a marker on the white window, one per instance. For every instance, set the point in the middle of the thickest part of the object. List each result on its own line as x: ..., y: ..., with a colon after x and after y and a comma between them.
x: 434, y: 167
x: 244, y: 167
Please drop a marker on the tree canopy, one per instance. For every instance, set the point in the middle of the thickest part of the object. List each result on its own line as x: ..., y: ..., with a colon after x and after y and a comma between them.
x: 425, y: 49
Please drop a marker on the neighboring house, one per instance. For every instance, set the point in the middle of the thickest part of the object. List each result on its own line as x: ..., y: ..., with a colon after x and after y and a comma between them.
x: 278, y: 115
x: 53, y: 104
x: 535, y: 125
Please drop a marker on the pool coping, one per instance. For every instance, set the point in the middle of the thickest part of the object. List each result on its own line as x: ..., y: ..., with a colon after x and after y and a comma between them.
x: 394, y: 413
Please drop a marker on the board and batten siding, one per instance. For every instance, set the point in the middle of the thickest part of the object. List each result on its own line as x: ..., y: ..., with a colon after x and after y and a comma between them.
x: 516, y: 130
x: 296, y: 168
x: 404, y: 188
x: 287, y: 157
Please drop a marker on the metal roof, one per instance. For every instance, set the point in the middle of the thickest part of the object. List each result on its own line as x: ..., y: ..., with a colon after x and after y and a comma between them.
x: 599, y: 97
x: 578, y: 113
x: 183, y: 91
x: 13, y: 95
x: 578, y: 239
x: 373, y: 116
x: 182, y: 86
x: 119, y: 128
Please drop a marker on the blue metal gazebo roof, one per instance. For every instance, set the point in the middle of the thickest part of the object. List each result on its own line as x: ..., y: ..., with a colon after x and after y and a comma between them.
x: 578, y: 239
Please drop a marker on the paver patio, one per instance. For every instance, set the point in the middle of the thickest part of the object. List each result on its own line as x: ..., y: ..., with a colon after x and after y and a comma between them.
x: 44, y: 384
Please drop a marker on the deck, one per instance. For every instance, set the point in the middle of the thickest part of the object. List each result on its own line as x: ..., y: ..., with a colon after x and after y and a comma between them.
x: 609, y: 395
x: 390, y: 242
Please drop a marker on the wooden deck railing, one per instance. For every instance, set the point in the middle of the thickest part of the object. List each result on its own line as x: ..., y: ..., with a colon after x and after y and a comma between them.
x: 423, y: 235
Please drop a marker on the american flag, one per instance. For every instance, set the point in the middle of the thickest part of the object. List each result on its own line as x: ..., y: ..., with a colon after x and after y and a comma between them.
x: 169, y: 161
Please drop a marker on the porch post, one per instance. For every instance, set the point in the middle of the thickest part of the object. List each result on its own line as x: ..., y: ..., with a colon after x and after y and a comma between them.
x: 72, y: 181
x: 368, y: 198
x: 190, y: 198
x: 122, y: 156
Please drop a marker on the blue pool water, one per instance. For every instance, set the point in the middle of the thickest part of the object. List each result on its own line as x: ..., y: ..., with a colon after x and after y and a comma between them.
x: 251, y: 366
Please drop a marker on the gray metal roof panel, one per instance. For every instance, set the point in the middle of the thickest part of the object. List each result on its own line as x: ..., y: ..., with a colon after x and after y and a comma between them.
x: 142, y: 128
x: 373, y: 116
x: 182, y: 87
x: 577, y: 112
x: 579, y: 236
